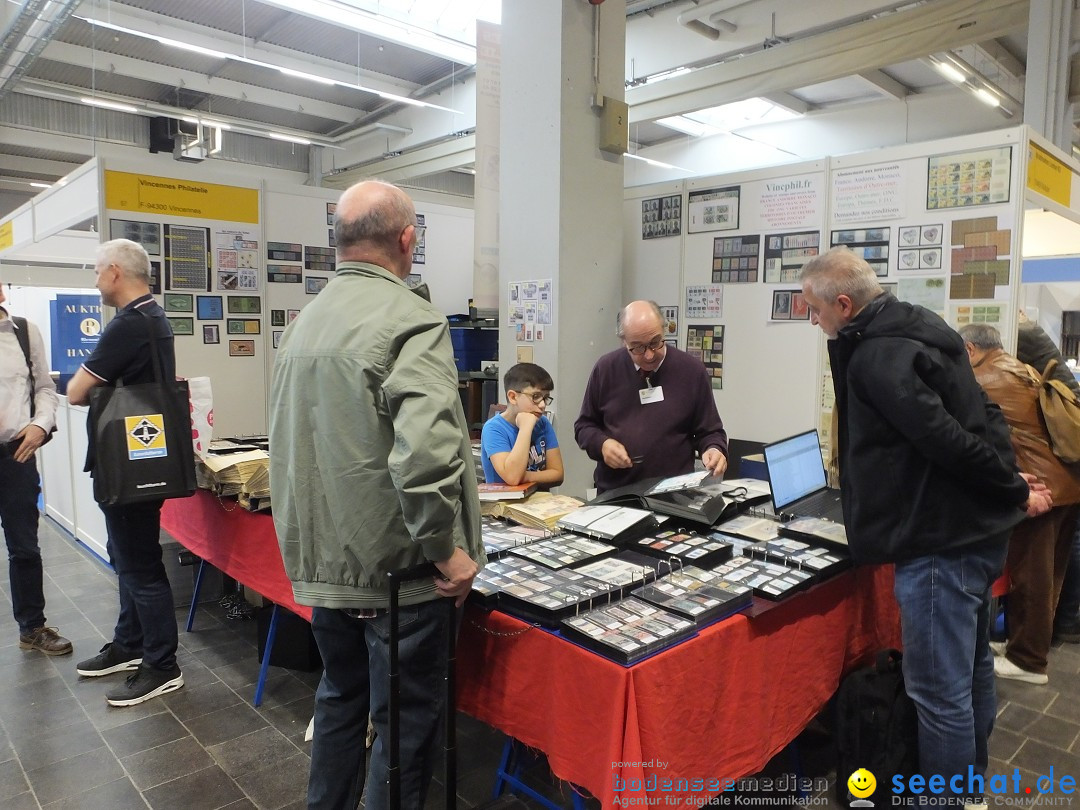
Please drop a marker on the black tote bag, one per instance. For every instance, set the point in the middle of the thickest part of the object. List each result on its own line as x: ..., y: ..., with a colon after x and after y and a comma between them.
x: 142, y: 439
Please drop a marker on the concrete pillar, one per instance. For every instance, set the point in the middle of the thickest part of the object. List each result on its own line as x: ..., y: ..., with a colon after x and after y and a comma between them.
x: 1046, y: 91
x: 561, y: 196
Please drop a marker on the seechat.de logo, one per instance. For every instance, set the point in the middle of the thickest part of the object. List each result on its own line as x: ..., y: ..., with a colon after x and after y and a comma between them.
x: 862, y: 785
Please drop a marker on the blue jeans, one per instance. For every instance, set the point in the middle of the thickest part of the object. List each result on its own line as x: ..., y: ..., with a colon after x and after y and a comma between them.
x: 147, y: 622
x: 355, y: 681
x: 19, y: 488
x: 948, y: 668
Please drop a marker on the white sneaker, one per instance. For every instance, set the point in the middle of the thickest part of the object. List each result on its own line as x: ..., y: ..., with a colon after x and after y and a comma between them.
x: 998, y: 647
x: 1004, y: 668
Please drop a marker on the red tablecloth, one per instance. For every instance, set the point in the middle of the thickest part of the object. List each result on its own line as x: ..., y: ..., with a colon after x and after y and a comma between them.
x: 716, y: 707
x: 242, y: 544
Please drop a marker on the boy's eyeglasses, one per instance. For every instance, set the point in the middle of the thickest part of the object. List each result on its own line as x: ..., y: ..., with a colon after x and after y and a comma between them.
x: 538, y: 397
x: 638, y: 350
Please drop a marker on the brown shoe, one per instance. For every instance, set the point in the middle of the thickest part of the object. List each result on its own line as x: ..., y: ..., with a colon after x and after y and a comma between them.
x: 46, y: 640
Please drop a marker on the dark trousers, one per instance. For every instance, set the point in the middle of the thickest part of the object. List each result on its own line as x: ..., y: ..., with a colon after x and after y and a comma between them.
x: 147, y: 621
x: 19, y: 489
x: 1068, y: 609
x: 1038, y: 555
x: 355, y: 680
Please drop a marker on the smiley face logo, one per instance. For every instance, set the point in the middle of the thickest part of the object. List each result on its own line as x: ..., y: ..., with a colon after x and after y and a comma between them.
x: 862, y: 783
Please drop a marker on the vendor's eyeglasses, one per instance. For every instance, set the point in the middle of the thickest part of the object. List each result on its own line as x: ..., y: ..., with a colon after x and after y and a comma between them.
x: 653, y: 346
x: 538, y: 397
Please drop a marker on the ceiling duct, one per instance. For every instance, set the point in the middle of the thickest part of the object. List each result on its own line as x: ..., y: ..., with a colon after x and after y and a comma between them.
x: 31, y: 29
x: 708, y: 20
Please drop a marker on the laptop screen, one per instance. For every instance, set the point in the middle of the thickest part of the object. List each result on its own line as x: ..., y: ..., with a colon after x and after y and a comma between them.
x: 795, y: 468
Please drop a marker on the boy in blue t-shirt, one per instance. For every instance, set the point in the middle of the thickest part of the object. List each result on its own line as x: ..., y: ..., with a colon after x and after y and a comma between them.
x: 518, y: 446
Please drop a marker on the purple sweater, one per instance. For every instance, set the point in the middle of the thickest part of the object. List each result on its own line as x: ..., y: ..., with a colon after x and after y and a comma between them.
x: 665, y: 433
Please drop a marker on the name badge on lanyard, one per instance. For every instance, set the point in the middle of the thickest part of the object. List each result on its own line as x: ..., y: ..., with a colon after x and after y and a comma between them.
x: 651, y: 395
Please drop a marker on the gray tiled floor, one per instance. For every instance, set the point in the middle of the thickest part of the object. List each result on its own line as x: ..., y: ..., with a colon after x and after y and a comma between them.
x: 206, y: 746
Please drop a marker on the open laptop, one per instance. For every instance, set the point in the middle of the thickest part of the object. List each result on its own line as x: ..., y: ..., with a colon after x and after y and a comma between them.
x: 797, y: 476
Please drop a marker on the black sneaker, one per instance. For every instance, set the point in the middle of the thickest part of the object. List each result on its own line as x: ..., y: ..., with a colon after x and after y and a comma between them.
x: 143, y: 684
x: 112, y: 658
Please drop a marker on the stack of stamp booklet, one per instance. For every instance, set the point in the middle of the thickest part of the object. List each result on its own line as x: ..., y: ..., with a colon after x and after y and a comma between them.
x: 564, y: 551
x: 689, y: 548
x: 627, y: 631
x: 768, y: 580
x: 787, y: 551
x: 499, y: 536
x: 536, y: 593
x: 697, y: 594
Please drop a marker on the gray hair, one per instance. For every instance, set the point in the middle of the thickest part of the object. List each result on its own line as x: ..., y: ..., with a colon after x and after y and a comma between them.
x: 379, y: 225
x: 841, y: 272
x: 129, y: 256
x: 981, y: 336
x: 620, y: 317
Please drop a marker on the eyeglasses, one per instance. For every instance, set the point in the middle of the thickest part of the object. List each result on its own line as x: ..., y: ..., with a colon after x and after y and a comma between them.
x: 538, y: 397
x: 654, y: 346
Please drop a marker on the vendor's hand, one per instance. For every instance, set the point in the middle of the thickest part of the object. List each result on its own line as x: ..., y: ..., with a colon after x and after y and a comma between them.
x: 615, y: 455
x: 526, y: 421
x: 457, y: 576
x: 714, y: 461
x: 1039, y: 500
x: 32, y: 438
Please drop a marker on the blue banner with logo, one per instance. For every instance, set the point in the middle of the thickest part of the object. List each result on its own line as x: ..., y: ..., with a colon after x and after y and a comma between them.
x: 76, y: 329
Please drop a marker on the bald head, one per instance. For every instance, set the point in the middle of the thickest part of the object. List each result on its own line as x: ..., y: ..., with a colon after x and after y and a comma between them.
x: 376, y: 222
x: 640, y: 316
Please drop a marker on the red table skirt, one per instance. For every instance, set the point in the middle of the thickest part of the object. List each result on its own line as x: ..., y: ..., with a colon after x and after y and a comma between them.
x: 714, y: 708
x: 242, y: 544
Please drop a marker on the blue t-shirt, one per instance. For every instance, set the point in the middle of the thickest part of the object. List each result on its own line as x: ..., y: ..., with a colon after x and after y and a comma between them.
x: 499, y: 435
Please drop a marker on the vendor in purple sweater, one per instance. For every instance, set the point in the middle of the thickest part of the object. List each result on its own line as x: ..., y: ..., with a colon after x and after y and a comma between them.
x: 648, y: 407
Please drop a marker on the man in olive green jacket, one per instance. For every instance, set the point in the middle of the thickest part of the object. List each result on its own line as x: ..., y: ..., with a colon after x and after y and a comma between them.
x: 371, y: 471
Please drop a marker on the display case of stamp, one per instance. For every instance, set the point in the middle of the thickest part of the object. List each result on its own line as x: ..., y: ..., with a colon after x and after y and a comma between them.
x: 500, y: 536
x: 696, y: 594
x: 689, y: 548
x: 564, y: 551
x: 768, y: 580
x: 627, y: 631
x: 494, y: 576
x: 821, y: 562
x: 626, y: 570
x: 546, y: 597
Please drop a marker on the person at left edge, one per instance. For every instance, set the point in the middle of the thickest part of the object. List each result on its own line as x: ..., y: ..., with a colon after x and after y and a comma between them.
x: 145, y: 639
x: 27, y: 414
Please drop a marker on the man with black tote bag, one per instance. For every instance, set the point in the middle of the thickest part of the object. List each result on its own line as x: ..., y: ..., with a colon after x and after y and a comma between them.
x: 145, y: 639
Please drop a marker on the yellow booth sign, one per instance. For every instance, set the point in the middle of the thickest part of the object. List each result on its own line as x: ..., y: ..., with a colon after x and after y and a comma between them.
x: 147, y: 194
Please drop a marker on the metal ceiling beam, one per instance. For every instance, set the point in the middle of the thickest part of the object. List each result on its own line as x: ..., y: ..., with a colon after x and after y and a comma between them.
x: 27, y: 33
x: 197, y: 82
x: 884, y: 83
x: 40, y: 166
x: 441, y: 156
x: 867, y: 45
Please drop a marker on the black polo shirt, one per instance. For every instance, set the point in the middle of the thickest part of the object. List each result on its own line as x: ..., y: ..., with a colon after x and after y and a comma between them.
x: 124, y: 348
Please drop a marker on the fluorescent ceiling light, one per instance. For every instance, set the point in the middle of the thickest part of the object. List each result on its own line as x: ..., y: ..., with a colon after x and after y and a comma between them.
x: 986, y: 97
x: 277, y: 136
x: 728, y: 117
x: 687, y: 125
x: 658, y: 163
x: 109, y: 105
x: 41, y: 185
x: 245, y: 60
x: 950, y: 72
x: 667, y: 74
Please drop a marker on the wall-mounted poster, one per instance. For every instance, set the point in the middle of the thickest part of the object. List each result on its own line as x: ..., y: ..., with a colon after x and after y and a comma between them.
x: 965, y: 179
x: 786, y: 253
x: 313, y: 285
x: 661, y: 216
x: 244, y: 304
x: 789, y: 305
x: 243, y: 326
x: 187, y: 258
x: 276, y: 335
x: 714, y: 209
x: 178, y: 302
x: 182, y: 326
x: 211, y: 333
x: 871, y: 244
x: 241, y: 348
x: 277, y: 317
x: 705, y: 301
x: 147, y: 234
x: 706, y: 343
x: 671, y: 325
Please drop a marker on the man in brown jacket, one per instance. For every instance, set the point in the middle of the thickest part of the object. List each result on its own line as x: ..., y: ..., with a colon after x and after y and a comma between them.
x: 1039, y: 547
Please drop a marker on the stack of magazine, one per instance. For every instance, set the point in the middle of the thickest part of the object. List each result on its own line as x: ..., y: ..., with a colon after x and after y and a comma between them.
x: 245, y: 474
x: 627, y: 631
x: 689, y: 548
x: 541, y: 510
x: 697, y: 594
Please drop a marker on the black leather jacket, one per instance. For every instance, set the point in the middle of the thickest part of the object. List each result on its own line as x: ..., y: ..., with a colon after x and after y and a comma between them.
x: 925, y: 459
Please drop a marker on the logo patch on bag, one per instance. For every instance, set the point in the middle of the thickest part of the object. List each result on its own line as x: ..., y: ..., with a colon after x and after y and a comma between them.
x: 145, y: 436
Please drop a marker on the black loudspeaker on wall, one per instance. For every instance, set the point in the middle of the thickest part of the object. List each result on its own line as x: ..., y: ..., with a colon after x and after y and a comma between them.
x: 161, y: 139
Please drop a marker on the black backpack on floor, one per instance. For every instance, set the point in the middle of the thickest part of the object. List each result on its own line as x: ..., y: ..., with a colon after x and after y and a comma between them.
x: 875, y: 725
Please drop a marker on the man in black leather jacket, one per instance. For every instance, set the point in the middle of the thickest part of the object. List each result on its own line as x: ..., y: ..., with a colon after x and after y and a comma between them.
x: 928, y: 482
